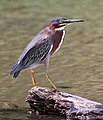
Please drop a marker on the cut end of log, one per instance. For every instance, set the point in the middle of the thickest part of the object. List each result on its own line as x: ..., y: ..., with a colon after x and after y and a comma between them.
x: 44, y: 101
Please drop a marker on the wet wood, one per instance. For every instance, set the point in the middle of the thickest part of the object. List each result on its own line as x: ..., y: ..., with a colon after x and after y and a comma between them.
x: 44, y: 101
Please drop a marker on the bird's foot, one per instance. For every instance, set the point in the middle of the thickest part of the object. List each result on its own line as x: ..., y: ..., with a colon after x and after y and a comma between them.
x: 54, y: 90
x: 33, y: 88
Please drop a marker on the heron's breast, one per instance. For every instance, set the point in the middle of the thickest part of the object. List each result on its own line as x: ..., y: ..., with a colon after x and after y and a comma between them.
x: 57, y: 41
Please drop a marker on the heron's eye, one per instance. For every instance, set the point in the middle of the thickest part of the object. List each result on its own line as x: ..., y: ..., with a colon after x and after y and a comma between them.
x: 61, y: 21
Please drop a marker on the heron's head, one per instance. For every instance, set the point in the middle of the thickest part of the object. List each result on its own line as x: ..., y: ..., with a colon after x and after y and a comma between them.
x: 60, y: 23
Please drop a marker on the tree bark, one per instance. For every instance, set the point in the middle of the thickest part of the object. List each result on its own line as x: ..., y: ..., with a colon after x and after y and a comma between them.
x: 45, y: 101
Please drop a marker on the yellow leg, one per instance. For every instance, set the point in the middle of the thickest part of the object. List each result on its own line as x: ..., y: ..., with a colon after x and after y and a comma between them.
x: 51, y: 82
x: 33, y: 77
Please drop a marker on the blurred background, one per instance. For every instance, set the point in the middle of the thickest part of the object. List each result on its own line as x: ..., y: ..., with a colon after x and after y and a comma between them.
x: 76, y: 68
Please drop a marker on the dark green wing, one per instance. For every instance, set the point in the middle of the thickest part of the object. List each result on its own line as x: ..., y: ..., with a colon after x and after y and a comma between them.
x: 37, y: 54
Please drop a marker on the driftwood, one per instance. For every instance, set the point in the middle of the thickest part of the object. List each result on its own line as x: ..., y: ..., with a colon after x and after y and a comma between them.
x: 44, y: 101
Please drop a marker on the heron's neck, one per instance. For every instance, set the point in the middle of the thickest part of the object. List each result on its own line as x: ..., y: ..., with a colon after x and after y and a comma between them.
x: 51, y: 30
x: 59, y: 29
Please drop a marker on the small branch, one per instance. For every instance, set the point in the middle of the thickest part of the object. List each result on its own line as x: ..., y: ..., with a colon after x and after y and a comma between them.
x: 44, y: 101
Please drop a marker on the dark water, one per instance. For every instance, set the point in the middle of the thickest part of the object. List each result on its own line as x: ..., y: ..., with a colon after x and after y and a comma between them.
x: 77, y: 68
x: 21, y: 114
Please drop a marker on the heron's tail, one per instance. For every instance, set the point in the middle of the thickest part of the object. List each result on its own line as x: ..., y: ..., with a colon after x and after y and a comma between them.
x: 15, y: 70
x: 15, y: 74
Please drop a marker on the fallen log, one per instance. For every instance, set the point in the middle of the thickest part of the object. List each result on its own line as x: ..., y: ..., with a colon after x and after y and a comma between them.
x: 46, y: 102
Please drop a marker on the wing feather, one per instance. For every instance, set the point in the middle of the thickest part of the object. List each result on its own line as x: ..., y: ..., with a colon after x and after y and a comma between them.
x: 37, y: 54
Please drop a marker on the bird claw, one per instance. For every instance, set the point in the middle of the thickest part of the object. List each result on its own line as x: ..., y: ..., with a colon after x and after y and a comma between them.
x: 33, y: 88
x: 54, y: 90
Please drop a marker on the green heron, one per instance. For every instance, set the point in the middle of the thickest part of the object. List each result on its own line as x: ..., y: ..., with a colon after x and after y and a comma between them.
x: 42, y: 46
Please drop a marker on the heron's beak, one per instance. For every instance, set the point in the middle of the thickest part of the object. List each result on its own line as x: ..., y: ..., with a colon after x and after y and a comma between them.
x: 72, y: 21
